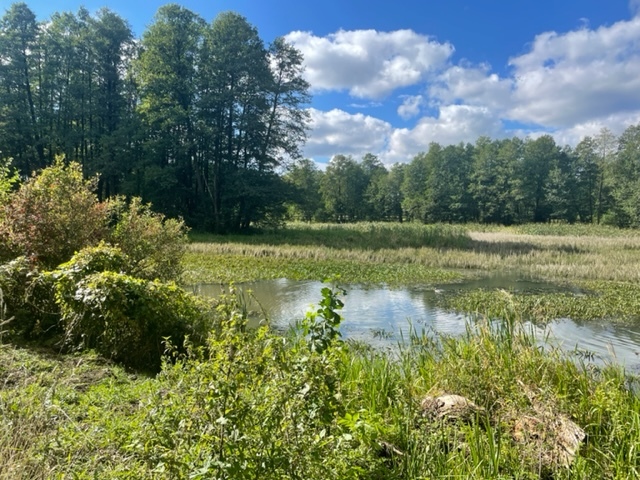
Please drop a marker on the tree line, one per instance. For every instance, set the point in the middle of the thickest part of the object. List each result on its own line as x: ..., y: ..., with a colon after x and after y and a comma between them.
x: 196, y: 118
x: 206, y: 122
x: 506, y: 181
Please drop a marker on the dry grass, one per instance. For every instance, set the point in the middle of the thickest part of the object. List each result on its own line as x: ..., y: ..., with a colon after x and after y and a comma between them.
x: 568, y: 257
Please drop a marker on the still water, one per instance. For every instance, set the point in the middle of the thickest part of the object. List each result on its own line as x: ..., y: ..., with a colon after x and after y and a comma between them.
x: 384, y: 316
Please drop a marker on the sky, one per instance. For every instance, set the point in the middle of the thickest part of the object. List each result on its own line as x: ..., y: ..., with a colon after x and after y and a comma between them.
x: 389, y: 78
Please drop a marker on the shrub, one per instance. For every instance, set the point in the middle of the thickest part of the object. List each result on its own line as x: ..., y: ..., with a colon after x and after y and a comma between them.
x: 254, y: 405
x: 29, y: 299
x: 127, y: 319
x: 7, y: 180
x: 53, y: 215
x: 154, y: 244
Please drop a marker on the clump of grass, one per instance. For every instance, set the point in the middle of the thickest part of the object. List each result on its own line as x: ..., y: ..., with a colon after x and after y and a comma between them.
x: 576, y: 229
x: 65, y: 415
x: 359, y: 236
x: 226, y: 268
x: 567, y: 258
x: 613, y: 301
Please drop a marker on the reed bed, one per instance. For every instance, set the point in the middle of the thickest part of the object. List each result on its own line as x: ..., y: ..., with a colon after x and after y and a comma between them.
x: 560, y: 258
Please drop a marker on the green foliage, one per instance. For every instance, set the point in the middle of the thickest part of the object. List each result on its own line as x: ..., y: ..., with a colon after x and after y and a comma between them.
x: 303, y: 178
x: 8, y: 179
x: 322, y: 326
x: 153, y: 244
x: 612, y: 301
x: 29, y: 299
x: 256, y: 405
x: 53, y: 215
x: 127, y: 319
x: 342, y: 188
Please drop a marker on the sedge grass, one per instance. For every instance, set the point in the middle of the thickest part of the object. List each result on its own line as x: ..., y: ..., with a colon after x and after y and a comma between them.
x: 556, y: 258
x: 612, y: 301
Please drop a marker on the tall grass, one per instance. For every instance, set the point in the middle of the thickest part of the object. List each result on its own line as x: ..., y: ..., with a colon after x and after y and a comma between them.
x: 263, y: 406
x: 307, y: 251
x: 358, y: 236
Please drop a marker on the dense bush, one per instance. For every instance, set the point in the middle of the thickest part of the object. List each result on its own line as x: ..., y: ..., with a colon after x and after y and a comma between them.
x: 56, y: 213
x: 29, y: 298
x: 53, y: 215
x: 7, y: 180
x: 125, y: 318
x: 155, y: 245
x: 255, y: 405
x: 92, y: 301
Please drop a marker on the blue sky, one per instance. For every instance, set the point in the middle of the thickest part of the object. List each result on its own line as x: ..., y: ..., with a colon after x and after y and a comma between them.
x: 391, y: 77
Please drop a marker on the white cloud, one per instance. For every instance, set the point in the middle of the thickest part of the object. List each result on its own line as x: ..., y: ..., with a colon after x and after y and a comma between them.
x: 567, y: 84
x: 368, y: 63
x: 337, y: 131
x: 578, y: 76
x: 366, y: 105
x: 456, y: 123
x: 634, y: 6
x: 617, y: 123
x: 410, y: 106
x: 473, y: 86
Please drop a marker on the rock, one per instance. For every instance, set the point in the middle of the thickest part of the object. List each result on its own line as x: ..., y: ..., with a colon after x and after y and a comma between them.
x: 450, y: 407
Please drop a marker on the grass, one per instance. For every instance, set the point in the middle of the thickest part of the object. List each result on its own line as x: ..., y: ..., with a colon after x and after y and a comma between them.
x: 612, y: 301
x: 256, y: 404
x: 615, y: 257
x: 602, y: 261
x: 274, y: 409
x: 65, y: 413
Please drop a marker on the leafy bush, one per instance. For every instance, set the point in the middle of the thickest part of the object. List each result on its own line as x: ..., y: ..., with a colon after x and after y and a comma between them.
x: 56, y: 213
x: 255, y: 405
x: 29, y: 299
x: 53, y: 215
x: 125, y: 318
x: 154, y: 245
x: 7, y: 180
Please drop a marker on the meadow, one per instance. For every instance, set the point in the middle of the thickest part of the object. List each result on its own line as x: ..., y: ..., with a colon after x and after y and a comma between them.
x: 305, y: 404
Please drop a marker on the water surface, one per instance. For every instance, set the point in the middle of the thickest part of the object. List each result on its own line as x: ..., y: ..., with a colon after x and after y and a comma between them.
x: 383, y: 316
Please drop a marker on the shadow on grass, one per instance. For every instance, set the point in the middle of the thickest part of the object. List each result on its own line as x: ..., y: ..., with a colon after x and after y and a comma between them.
x: 509, y: 248
x: 376, y: 236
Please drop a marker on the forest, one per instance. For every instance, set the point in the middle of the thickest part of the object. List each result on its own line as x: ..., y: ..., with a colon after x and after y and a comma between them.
x: 206, y: 122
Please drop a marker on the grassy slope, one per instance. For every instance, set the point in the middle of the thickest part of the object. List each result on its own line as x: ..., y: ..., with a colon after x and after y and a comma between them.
x: 79, y: 417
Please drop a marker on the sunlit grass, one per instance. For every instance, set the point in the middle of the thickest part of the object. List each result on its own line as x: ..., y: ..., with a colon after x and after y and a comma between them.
x: 80, y: 417
x: 563, y: 258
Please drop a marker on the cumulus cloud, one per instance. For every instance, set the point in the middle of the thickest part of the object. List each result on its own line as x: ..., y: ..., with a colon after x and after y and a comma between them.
x: 578, y: 76
x: 410, y: 106
x: 368, y: 63
x: 473, y: 86
x: 616, y: 123
x: 455, y: 124
x: 337, y: 131
x: 568, y: 84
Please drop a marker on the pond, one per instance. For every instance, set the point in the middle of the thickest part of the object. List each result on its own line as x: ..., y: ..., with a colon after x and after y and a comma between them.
x: 383, y: 316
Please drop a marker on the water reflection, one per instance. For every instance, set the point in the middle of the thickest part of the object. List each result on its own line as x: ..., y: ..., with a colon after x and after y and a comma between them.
x: 383, y: 316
